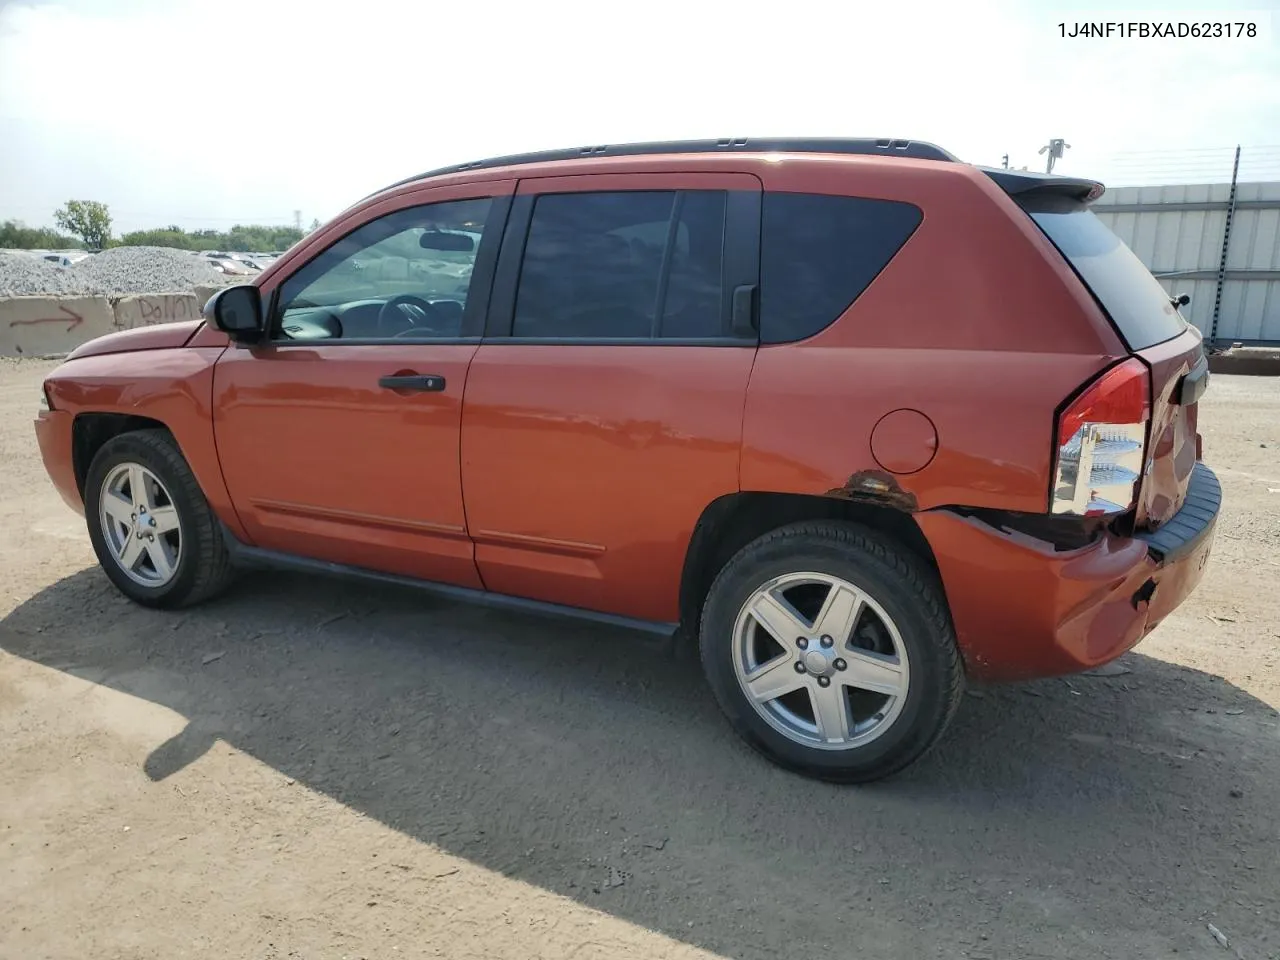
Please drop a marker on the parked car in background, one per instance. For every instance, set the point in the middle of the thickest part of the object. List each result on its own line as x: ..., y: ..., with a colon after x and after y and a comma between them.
x: 63, y: 258
x: 857, y: 418
x: 231, y: 263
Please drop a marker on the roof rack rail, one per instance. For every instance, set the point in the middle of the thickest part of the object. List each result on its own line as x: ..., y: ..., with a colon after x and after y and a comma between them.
x: 866, y: 146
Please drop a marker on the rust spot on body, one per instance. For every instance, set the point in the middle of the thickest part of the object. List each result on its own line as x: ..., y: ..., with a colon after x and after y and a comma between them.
x: 877, y: 487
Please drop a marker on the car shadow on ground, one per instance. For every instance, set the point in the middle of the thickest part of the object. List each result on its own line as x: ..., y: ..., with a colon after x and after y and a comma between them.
x: 579, y: 759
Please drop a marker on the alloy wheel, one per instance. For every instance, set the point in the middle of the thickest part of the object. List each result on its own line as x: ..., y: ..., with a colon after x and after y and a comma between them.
x: 820, y: 661
x: 140, y: 525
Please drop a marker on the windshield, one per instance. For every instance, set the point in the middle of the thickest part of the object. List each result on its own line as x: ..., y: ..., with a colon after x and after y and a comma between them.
x: 1138, y: 305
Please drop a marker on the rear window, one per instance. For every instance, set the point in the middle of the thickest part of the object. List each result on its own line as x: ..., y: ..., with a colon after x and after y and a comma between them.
x: 818, y: 253
x: 1138, y: 305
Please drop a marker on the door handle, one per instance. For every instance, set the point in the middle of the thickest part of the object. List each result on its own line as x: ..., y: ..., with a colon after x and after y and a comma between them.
x: 429, y: 383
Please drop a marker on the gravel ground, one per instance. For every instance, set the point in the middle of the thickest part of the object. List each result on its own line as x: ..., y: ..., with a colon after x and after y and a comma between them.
x: 307, y: 768
x: 120, y: 270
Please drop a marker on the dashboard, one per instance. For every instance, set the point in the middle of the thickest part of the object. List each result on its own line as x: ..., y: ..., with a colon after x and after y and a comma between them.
x: 358, y: 319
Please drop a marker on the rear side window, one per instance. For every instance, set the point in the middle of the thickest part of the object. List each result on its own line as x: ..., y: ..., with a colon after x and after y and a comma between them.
x: 818, y: 253
x: 1138, y: 305
x: 629, y: 265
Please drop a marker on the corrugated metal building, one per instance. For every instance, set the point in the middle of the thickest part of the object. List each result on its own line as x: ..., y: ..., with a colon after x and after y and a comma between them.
x: 1178, y: 232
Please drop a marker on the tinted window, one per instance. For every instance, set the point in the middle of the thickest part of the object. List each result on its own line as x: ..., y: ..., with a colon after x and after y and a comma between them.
x: 1138, y: 305
x: 623, y: 265
x: 693, y: 305
x: 403, y: 276
x: 818, y: 253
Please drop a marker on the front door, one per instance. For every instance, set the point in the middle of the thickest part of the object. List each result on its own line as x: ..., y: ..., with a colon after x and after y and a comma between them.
x: 604, y: 409
x: 339, y: 436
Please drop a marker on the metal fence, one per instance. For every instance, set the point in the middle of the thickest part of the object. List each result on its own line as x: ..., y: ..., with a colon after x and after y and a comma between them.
x: 1217, y: 242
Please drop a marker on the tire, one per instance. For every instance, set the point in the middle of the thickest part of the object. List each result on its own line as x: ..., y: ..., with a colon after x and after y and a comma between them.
x: 901, y: 640
x: 193, y: 563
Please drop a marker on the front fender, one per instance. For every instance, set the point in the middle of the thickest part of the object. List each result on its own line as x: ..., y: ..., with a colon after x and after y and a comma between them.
x: 157, y: 337
x: 172, y: 386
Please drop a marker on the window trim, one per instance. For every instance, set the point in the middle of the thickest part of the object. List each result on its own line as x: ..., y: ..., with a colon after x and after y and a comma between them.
x: 740, y: 263
x: 478, y: 294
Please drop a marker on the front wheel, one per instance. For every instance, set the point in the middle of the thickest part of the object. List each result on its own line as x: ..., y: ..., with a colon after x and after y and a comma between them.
x: 830, y: 650
x: 153, y: 531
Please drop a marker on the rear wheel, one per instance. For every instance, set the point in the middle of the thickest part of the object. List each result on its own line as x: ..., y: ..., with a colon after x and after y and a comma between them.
x: 151, y: 527
x: 830, y: 650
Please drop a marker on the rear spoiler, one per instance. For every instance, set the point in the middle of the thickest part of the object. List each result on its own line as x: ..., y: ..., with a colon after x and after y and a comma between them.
x: 1024, y: 184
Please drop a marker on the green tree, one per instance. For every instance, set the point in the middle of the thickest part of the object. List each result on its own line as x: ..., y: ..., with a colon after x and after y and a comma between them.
x: 171, y: 237
x: 250, y: 238
x: 15, y: 235
x: 87, y: 219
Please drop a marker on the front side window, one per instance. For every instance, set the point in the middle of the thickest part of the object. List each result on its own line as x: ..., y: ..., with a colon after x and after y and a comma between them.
x: 626, y: 265
x: 406, y: 275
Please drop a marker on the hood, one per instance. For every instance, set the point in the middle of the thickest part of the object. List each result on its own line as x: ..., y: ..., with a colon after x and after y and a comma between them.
x: 155, y: 337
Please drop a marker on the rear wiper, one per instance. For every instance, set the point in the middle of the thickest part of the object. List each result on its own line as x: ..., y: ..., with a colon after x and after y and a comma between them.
x: 1181, y: 300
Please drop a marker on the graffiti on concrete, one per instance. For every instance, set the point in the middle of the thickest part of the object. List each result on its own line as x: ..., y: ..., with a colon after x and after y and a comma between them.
x: 134, y: 312
x: 72, y: 320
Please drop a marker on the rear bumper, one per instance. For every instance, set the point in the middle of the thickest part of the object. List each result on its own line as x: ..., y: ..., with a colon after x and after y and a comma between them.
x: 1023, y: 610
x: 53, y: 434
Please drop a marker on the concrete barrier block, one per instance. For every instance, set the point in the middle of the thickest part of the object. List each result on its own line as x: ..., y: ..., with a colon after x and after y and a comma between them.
x: 203, y: 294
x: 1249, y: 362
x: 41, y: 326
x: 145, y: 311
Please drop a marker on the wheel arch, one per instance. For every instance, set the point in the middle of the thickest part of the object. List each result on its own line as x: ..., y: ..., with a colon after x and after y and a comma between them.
x: 730, y: 522
x: 196, y: 559
x: 91, y: 431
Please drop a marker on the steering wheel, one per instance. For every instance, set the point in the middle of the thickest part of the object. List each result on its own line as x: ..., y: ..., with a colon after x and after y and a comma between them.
x: 421, y: 316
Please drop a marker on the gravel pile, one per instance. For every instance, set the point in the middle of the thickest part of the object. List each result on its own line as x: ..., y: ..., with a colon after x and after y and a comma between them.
x: 145, y: 270
x: 120, y: 270
x: 22, y: 275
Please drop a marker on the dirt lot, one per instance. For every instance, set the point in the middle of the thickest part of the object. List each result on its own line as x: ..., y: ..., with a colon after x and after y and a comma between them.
x: 316, y: 769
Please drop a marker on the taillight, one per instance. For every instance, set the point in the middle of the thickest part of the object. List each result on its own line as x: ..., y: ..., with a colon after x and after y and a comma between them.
x: 1102, y: 444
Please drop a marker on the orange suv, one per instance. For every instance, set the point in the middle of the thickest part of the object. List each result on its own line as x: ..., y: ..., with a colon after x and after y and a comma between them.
x: 858, y: 418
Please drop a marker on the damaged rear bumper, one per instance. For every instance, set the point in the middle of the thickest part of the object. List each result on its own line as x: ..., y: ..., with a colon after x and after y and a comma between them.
x: 1022, y: 609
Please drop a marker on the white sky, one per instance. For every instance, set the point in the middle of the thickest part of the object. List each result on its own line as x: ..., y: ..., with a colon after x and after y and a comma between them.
x: 209, y: 113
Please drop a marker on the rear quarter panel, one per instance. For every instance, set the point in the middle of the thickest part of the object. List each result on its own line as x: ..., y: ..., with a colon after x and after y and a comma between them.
x: 172, y: 386
x: 975, y: 323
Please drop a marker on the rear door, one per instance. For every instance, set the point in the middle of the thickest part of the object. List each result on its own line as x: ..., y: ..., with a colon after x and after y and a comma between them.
x: 603, y: 411
x: 1155, y: 331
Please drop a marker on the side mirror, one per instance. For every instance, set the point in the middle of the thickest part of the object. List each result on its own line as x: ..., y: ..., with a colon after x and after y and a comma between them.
x: 237, y: 311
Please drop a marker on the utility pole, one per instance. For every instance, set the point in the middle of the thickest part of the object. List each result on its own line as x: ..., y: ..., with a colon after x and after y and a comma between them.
x: 1054, y: 148
x: 1005, y: 161
x: 297, y: 220
x: 1226, y: 245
